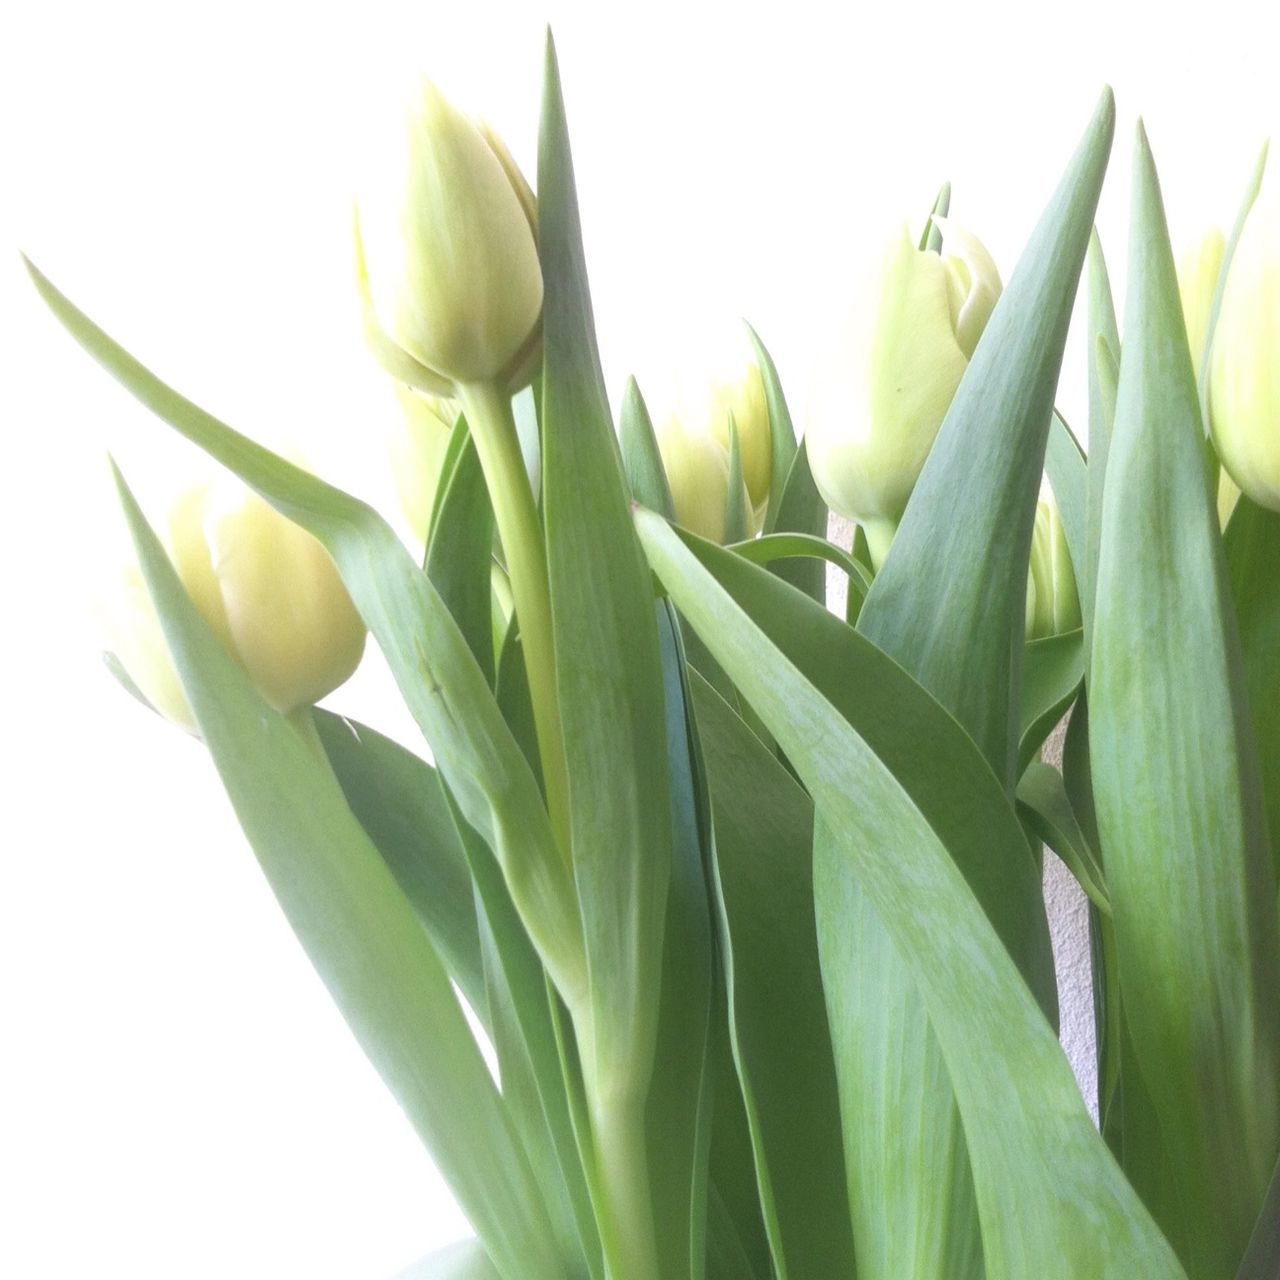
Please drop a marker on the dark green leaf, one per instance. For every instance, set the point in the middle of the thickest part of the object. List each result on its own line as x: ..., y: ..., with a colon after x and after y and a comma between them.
x: 763, y: 876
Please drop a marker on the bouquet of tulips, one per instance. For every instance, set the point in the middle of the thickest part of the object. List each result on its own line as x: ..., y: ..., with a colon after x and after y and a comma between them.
x: 743, y: 892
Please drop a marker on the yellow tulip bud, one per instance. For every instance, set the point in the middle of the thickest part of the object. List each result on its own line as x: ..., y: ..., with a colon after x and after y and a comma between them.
x: 1198, y: 269
x: 1244, y: 374
x: 912, y: 337
x: 419, y: 442
x: 1053, y: 603
x: 697, y: 467
x: 732, y: 387
x: 447, y: 250
x: 266, y: 588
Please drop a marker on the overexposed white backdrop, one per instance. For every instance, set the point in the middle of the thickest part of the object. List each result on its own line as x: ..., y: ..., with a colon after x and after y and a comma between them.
x: 177, y: 1095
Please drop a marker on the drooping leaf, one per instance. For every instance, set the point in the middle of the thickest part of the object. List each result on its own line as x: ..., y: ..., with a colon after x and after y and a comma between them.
x: 357, y: 928
x: 1175, y: 778
x: 442, y: 684
x: 1058, y: 1219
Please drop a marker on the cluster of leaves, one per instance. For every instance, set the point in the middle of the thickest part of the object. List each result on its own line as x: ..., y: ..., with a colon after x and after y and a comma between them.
x: 802, y: 901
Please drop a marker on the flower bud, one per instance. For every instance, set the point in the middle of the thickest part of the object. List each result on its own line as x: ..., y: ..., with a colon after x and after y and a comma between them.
x: 1198, y: 269
x: 1053, y: 603
x: 447, y: 253
x: 697, y: 467
x: 419, y: 441
x: 912, y: 337
x: 1244, y: 373
x: 732, y: 388
x: 266, y: 588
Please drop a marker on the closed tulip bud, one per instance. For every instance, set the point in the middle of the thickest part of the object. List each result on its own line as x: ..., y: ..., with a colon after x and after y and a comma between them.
x: 1198, y: 269
x: 446, y: 240
x: 733, y: 389
x: 912, y: 338
x: 419, y: 441
x: 1244, y: 374
x: 1053, y: 603
x: 697, y: 467
x: 266, y: 588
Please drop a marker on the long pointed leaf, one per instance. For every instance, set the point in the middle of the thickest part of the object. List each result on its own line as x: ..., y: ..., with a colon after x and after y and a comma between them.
x: 1175, y: 778
x: 358, y: 929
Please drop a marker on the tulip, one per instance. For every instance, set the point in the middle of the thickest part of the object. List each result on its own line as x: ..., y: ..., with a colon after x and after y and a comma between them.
x: 419, y: 442
x: 1053, y: 603
x: 1244, y: 373
x: 732, y: 389
x: 266, y: 588
x: 446, y: 241
x: 916, y: 329
x: 697, y: 467
x: 1198, y: 269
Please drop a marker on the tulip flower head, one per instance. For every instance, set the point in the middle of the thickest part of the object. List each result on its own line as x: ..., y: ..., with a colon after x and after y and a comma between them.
x: 265, y: 587
x: 913, y: 333
x: 1244, y: 371
x: 697, y: 467
x: 1198, y: 268
x: 446, y: 239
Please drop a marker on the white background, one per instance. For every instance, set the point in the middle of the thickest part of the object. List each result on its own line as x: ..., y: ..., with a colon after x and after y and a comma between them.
x: 177, y: 1095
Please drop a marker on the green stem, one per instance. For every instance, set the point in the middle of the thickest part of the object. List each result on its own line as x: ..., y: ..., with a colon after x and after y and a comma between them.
x: 879, y: 534
x: 493, y: 428
x: 622, y: 1172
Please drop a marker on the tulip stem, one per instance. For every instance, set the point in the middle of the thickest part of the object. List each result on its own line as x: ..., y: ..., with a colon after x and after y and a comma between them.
x: 626, y: 1211
x: 488, y: 412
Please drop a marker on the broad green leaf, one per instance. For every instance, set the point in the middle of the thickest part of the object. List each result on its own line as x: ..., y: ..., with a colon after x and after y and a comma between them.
x: 931, y: 237
x: 1043, y: 800
x: 679, y: 1111
x: 442, y: 684
x: 949, y: 601
x: 460, y: 549
x: 1052, y: 672
x: 726, y: 1254
x: 398, y: 800
x: 640, y: 456
x: 1058, y: 1218
x: 1175, y: 779
x: 357, y: 928
x: 764, y: 887
x: 1253, y: 567
x: 466, y: 1260
x: 610, y: 689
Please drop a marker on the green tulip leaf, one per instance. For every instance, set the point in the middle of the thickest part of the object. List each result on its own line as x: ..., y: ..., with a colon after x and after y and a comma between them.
x: 1176, y: 784
x: 641, y: 458
x: 357, y: 927
x: 1043, y: 801
x: 781, y: 1042
x: 1060, y: 1219
x: 1052, y: 673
